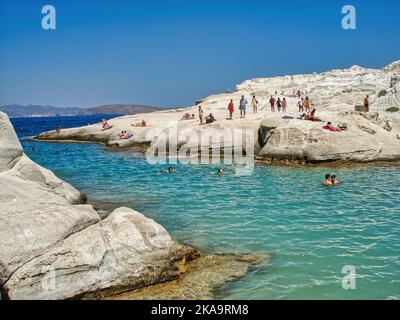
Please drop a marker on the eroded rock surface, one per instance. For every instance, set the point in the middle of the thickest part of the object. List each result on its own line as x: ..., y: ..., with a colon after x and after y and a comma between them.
x: 52, y: 247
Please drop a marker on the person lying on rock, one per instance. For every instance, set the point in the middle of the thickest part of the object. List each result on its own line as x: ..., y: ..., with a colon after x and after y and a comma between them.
x: 142, y: 124
x: 330, y: 127
x: 121, y: 135
x: 186, y: 116
x: 311, y: 116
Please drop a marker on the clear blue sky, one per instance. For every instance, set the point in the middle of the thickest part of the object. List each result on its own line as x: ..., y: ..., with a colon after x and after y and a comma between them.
x: 171, y: 53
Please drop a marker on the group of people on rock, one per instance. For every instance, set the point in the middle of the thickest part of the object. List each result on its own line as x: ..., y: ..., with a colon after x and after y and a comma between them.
x: 208, y: 119
x: 188, y: 116
x: 304, y: 104
x: 125, y: 135
x: 141, y: 124
x: 310, y: 116
x: 281, y: 105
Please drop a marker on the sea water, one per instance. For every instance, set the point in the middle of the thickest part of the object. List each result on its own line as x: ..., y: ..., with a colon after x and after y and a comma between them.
x: 309, y: 232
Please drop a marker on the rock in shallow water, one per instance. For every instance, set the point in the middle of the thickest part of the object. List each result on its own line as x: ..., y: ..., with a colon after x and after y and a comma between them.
x: 202, y: 277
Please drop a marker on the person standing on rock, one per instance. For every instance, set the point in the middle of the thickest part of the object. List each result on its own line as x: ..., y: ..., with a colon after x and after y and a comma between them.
x: 242, y: 106
x: 231, y: 108
x: 279, y: 104
x: 272, y: 103
x: 307, y: 104
x: 201, y: 115
x: 284, y: 104
x: 300, y: 104
x: 366, y: 104
x: 254, y: 104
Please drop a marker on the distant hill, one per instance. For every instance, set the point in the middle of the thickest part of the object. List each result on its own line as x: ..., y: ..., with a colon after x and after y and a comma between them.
x: 15, y: 111
x: 119, y: 109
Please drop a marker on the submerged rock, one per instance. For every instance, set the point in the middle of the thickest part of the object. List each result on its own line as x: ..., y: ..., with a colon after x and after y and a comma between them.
x: 200, y: 278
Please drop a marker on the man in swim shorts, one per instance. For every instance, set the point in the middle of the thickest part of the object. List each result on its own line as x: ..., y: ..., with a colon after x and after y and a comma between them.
x: 242, y: 107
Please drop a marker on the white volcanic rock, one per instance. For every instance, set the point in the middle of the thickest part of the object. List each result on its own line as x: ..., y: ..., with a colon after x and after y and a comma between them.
x: 332, y: 93
x: 336, y: 90
x: 123, y: 249
x: 11, y: 148
x: 53, y: 248
x: 367, y: 138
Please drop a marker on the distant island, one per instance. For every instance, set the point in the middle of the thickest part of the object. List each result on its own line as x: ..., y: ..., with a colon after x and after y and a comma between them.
x: 16, y: 111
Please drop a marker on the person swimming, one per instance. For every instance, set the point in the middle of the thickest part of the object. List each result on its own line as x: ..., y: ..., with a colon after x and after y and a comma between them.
x: 171, y: 170
x: 334, y: 180
x: 327, y: 181
x: 220, y: 171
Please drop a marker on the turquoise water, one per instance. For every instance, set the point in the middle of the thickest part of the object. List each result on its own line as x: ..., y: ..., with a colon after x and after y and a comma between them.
x: 309, y: 231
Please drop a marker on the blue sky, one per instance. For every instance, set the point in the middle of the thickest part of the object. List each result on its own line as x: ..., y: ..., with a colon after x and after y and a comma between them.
x: 171, y: 53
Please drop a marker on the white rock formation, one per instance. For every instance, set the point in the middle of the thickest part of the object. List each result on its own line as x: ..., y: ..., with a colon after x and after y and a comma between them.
x: 335, y: 90
x: 332, y: 93
x: 367, y: 138
x: 52, y: 247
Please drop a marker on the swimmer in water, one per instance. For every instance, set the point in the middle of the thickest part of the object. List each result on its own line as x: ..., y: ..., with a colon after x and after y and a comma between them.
x: 220, y: 172
x: 334, y: 180
x: 171, y: 170
x: 327, y: 181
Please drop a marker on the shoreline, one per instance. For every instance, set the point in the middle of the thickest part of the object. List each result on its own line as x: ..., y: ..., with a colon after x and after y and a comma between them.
x: 257, y: 160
